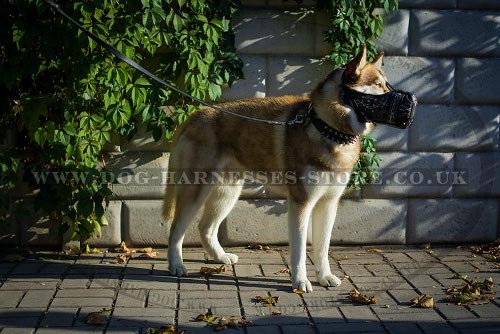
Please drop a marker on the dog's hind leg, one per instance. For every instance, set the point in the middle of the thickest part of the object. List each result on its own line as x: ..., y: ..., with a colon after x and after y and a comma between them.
x: 221, y: 200
x: 189, y: 199
x: 323, y: 218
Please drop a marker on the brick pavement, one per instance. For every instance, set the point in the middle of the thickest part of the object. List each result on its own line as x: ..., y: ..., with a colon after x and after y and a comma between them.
x: 54, y: 294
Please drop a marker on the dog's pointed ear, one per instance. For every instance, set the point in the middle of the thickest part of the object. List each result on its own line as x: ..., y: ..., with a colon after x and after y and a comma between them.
x: 353, y: 69
x: 379, y: 60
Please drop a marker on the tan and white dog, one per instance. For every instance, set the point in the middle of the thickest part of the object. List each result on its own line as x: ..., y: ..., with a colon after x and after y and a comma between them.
x: 211, y: 141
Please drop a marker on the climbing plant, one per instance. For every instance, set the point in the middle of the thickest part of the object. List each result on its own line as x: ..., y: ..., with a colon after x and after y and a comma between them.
x: 352, y: 24
x: 63, y: 98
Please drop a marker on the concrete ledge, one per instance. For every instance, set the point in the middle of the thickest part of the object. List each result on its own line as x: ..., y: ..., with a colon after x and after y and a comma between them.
x: 478, y: 4
x: 390, y: 139
x: 430, y: 79
x: 412, y: 175
x: 143, y: 141
x: 481, y: 173
x: 447, y: 220
x: 111, y: 235
x: 455, y: 128
x: 477, y: 81
x: 454, y: 33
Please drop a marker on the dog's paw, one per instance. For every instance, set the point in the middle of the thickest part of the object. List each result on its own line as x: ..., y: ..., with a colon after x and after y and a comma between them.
x: 227, y: 258
x: 303, y: 285
x: 177, y: 270
x: 329, y: 280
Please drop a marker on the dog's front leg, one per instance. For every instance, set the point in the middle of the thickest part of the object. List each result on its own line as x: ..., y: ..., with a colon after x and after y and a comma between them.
x: 322, y: 224
x: 298, y: 219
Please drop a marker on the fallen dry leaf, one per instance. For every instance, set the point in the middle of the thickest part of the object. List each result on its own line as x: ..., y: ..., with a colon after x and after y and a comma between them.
x: 358, y: 297
x: 282, y: 271
x: 266, y: 301
x: 91, y: 251
x: 474, y: 292
x: 298, y: 291
x: 150, y: 255
x: 144, y: 250
x: 169, y: 329
x: 276, y: 313
x: 122, y: 258
x: 256, y: 246
x: 96, y: 319
x: 375, y: 250
x: 423, y: 301
x: 122, y: 248
x: 232, y: 322
x: 212, y: 270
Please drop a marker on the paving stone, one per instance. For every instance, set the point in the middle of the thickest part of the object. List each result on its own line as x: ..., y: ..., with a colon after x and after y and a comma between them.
x: 326, y: 315
x: 489, y: 310
x: 430, y: 79
x: 461, y: 33
x: 358, y: 313
x: 261, y: 316
x: 157, y: 298
x: 353, y: 270
x: 263, y: 329
x: 481, y: 174
x: 243, y: 270
x: 451, y: 220
x: 360, y: 327
x: 403, y: 297
x: 223, y: 283
x: 59, y: 317
x: 298, y: 329
x: 75, y: 281
x: 131, y: 298
x: 381, y: 270
x: 402, y: 315
x: 19, y: 330
x: 10, y: 299
x: 430, y: 328
x: 96, y: 301
x: 397, y: 257
x: 380, y: 283
x: 455, y: 312
x: 27, y: 285
x: 37, y: 298
x: 476, y: 81
x: 105, y: 281
x: 68, y: 330
x: 402, y: 328
x: 421, y: 281
x: 151, y: 282
x: 75, y: 293
x: 411, y: 175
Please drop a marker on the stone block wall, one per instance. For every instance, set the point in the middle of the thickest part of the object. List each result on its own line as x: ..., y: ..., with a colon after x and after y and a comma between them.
x: 440, y: 179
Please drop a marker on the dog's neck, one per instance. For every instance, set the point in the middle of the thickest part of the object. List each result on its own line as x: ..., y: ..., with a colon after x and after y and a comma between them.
x: 327, y: 103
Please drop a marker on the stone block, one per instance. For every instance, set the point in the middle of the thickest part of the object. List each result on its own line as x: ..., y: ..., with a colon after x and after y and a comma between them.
x: 296, y: 75
x: 253, y: 221
x: 290, y: 3
x: 254, y: 82
x: 478, y: 4
x: 454, y: 33
x: 111, y: 235
x: 452, y: 220
x: 259, y: 31
x: 394, y: 39
x: 448, y: 128
x: 412, y: 175
x: 427, y: 3
x: 481, y: 172
x: 430, y: 79
x: 143, y: 141
x: 375, y: 221
x: 144, y: 225
x: 253, y: 3
x: 9, y: 235
x: 36, y: 228
x: 477, y: 81
x: 322, y: 24
x: 390, y: 139
x: 138, y: 174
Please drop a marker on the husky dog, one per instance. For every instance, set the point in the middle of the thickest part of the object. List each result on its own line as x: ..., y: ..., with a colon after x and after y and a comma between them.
x: 211, y: 141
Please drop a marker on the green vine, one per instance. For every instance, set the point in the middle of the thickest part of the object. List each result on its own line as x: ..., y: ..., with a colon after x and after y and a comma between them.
x: 64, y: 98
x: 354, y: 23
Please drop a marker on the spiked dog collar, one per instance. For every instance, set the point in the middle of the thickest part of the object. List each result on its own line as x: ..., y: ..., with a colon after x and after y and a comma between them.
x: 330, y: 133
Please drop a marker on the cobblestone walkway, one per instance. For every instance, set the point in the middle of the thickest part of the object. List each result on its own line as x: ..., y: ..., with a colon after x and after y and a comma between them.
x: 44, y: 294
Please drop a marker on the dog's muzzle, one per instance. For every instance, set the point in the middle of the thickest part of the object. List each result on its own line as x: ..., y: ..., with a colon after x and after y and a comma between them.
x: 396, y: 108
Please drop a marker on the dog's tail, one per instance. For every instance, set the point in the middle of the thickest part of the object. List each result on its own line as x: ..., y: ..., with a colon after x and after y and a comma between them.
x: 169, y: 203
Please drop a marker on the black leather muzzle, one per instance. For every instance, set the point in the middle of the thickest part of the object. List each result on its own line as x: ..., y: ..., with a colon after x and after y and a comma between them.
x: 395, y: 108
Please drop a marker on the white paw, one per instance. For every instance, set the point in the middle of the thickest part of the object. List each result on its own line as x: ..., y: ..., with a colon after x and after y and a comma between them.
x: 177, y: 270
x: 329, y: 280
x: 303, y: 285
x: 227, y: 258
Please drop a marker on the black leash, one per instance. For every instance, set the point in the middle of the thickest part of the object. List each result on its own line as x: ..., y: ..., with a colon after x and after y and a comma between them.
x: 299, y: 119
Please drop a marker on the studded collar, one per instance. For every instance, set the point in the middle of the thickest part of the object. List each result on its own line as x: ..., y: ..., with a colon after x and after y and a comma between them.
x: 330, y: 133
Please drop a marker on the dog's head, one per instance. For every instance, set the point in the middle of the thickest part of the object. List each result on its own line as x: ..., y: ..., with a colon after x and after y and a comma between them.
x: 365, y: 77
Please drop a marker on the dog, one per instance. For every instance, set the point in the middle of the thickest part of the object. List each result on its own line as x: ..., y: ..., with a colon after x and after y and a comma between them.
x: 211, y: 141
